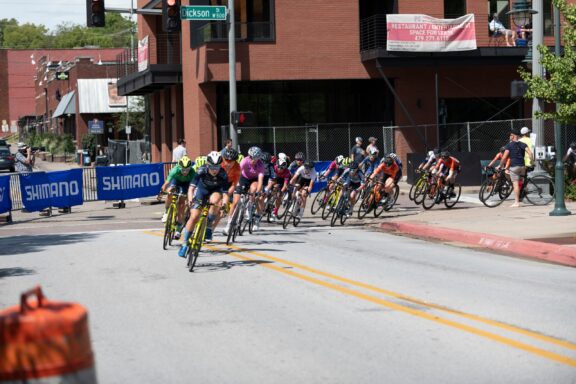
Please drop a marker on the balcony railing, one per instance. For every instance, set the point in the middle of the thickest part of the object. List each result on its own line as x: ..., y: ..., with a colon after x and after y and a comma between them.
x: 373, y: 32
x: 162, y: 49
x: 217, y: 31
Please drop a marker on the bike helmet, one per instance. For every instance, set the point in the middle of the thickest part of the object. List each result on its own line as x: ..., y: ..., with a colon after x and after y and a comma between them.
x: 255, y: 153
x: 282, y: 164
x: 185, y: 162
x: 445, y: 154
x: 372, y: 152
x: 266, y: 157
x: 299, y: 156
x: 353, y: 166
x: 339, y: 159
x: 309, y: 165
x: 430, y: 153
x: 230, y: 154
x: 502, y: 150
x: 214, y: 159
x: 388, y: 161
x: 282, y: 156
x: 573, y: 145
x: 436, y: 151
x: 393, y: 155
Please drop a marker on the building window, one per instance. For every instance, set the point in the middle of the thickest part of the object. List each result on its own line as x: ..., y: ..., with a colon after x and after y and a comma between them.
x: 454, y: 8
x: 253, y: 19
x: 500, y: 7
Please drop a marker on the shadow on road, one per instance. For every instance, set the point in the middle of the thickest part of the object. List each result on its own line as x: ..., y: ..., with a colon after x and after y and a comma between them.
x: 224, y: 265
x: 27, y: 244
x: 16, y: 271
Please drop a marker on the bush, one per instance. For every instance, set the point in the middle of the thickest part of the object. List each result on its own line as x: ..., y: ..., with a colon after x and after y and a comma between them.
x: 54, y: 143
x: 89, y: 144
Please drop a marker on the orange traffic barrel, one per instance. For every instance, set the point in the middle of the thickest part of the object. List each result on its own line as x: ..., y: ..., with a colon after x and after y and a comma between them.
x: 45, y: 341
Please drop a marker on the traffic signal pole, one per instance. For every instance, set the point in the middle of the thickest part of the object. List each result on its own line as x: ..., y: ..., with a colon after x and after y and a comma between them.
x: 232, y: 71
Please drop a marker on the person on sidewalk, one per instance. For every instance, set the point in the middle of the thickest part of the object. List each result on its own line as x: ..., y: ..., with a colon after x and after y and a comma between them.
x: 525, y: 138
x: 515, y: 151
x: 372, y: 146
x: 357, y: 153
x: 180, y: 151
x: 24, y: 159
x: 570, y: 160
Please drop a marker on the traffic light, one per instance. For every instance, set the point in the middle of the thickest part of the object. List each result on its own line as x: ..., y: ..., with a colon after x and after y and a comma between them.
x: 95, y: 13
x: 242, y: 119
x: 171, y: 15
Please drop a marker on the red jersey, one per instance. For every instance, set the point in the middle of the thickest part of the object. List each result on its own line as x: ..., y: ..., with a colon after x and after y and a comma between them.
x: 387, y: 170
x: 451, y: 163
x: 232, y: 169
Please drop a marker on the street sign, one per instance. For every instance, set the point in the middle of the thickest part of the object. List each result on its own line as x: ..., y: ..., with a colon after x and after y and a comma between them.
x: 128, y: 129
x: 202, y: 12
x: 96, y: 127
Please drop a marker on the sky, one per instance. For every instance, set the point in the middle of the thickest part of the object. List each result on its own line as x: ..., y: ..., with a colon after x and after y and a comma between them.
x: 50, y: 13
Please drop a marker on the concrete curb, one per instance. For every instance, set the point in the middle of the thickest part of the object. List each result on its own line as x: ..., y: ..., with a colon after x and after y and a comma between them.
x: 526, y: 248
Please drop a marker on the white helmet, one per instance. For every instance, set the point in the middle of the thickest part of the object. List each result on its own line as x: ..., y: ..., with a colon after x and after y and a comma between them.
x: 373, y: 151
x: 430, y: 153
x: 282, y: 156
x: 214, y: 159
x: 282, y: 163
x: 339, y: 159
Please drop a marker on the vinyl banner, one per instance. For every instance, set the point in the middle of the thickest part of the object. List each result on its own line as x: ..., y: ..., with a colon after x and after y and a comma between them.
x: 5, y: 201
x: 129, y: 181
x: 61, y: 189
x: 422, y: 33
x: 319, y: 167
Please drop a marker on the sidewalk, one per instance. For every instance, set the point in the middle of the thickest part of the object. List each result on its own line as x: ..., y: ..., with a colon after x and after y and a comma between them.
x: 528, y: 231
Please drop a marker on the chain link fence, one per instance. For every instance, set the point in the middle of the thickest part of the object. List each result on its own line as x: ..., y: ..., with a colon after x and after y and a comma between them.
x: 326, y: 141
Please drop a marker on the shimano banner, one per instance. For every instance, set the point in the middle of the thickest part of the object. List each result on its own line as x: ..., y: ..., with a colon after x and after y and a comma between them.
x: 5, y: 201
x: 129, y: 181
x: 61, y: 189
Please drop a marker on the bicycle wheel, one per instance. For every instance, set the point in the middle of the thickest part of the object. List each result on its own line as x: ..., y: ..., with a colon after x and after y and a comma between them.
x: 285, y: 204
x: 414, y: 187
x: 539, y: 190
x: 329, y: 206
x: 233, y: 226
x: 450, y: 201
x: 489, y: 193
x: 366, y: 205
x: 344, y: 215
x: 287, y: 217
x: 197, y: 241
x: 392, y: 199
x: 430, y: 196
x: 319, y: 201
x: 334, y: 218
x: 420, y: 191
x: 379, y: 205
x: 168, y: 228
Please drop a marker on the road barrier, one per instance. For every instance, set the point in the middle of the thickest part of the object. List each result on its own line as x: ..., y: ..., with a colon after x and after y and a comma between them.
x: 45, y: 341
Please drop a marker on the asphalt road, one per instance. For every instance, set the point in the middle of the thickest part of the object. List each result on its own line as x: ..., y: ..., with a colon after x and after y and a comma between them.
x: 311, y: 304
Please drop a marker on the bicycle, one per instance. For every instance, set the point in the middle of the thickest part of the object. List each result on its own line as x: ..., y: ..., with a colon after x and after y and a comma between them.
x: 342, y: 209
x: 237, y: 225
x: 538, y: 189
x: 495, y: 189
x: 437, y: 192
x: 293, y: 211
x: 377, y: 201
x: 286, y: 202
x: 333, y: 199
x: 170, y: 225
x: 321, y: 198
x: 197, y: 239
x: 270, y: 203
x: 416, y: 193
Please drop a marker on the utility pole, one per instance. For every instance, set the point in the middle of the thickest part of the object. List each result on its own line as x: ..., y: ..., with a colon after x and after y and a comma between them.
x: 232, y: 70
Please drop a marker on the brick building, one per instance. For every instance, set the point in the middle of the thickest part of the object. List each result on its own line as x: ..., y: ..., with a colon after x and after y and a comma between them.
x: 304, y: 62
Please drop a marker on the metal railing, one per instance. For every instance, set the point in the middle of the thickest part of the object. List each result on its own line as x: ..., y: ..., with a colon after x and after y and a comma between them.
x: 217, y: 32
x: 162, y: 49
x: 373, y: 32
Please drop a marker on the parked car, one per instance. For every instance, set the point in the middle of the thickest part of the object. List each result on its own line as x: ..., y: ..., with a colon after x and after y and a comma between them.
x: 6, y: 159
x: 4, y: 144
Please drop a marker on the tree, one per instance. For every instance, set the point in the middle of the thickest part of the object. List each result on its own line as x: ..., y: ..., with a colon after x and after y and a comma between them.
x: 3, y: 24
x: 136, y: 118
x: 559, y: 86
x: 25, y: 36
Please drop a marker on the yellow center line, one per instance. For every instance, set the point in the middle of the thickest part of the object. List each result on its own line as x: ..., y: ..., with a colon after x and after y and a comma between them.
x: 501, y: 339
x: 400, y: 296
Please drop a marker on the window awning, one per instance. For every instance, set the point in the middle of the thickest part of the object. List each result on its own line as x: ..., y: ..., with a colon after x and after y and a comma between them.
x: 67, y: 105
x: 100, y: 96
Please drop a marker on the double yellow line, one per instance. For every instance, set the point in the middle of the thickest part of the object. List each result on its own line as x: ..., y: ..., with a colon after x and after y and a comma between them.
x: 352, y: 287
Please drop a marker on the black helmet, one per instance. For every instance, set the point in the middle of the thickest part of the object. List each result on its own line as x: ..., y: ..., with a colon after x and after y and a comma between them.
x: 299, y: 156
x: 230, y: 154
x: 266, y: 157
x: 573, y: 145
x: 388, y: 161
x: 436, y: 151
x: 309, y: 165
x: 353, y: 166
x: 445, y: 154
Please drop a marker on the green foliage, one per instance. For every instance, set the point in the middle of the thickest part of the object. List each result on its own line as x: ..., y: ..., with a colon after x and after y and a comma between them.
x: 560, y: 84
x: 89, y: 144
x: 66, y: 35
x: 54, y: 143
x: 136, y: 118
x: 570, y: 191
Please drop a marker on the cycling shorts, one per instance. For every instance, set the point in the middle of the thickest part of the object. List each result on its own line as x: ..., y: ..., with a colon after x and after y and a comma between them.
x: 202, y: 194
x: 244, y: 185
x: 302, y: 182
x: 280, y: 181
x: 398, y: 176
x: 183, y: 185
x: 354, y: 186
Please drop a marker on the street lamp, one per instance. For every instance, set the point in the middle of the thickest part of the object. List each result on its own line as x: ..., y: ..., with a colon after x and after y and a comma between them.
x: 521, y: 13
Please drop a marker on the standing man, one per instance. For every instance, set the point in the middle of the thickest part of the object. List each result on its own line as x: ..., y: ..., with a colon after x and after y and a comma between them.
x: 179, y: 151
x: 525, y: 132
x: 24, y: 158
x: 515, y: 151
x: 357, y: 153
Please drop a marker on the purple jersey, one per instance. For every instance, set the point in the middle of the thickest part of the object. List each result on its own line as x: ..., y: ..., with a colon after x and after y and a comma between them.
x: 249, y: 171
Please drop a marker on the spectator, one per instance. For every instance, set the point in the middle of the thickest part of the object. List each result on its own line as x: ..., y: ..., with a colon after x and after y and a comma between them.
x: 227, y: 145
x: 525, y: 132
x: 179, y: 151
x: 372, y: 144
x: 515, y: 151
x: 497, y: 27
x: 570, y: 160
x: 357, y: 152
x: 24, y: 158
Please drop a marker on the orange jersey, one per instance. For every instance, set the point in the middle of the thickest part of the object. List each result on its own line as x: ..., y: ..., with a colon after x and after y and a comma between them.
x: 452, y: 163
x: 387, y: 170
x: 499, y: 157
x: 232, y: 169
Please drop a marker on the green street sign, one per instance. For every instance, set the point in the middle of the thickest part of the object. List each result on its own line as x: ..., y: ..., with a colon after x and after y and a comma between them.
x: 202, y: 12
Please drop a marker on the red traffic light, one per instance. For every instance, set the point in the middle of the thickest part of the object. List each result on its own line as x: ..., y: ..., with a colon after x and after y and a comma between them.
x: 242, y: 118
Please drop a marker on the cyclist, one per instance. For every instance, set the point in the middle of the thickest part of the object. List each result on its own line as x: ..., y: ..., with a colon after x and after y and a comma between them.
x: 303, y: 180
x: 282, y: 180
x: 449, y: 168
x: 389, y: 168
x: 430, y: 160
x: 251, y: 179
x: 179, y: 177
x: 299, y: 160
x: 352, y: 178
x: 570, y: 160
x: 232, y: 169
x: 210, y: 183
x: 199, y: 162
x: 499, y: 157
x: 370, y: 163
x: 334, y: 171
x: 268, y: 182
x: 400, y: 166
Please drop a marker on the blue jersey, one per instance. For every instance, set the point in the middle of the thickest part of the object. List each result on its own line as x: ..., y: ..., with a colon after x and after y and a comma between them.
x: 348, y: 177
x: 368, y: 166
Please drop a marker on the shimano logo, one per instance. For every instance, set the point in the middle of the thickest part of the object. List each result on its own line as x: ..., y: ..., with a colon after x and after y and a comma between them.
x: 51, y: 190
x: 144, y: 180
